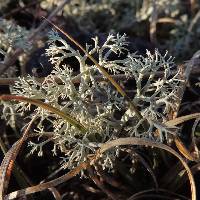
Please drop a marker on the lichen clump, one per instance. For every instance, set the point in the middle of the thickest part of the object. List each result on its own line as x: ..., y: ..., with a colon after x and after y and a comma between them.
x: 96, y: 104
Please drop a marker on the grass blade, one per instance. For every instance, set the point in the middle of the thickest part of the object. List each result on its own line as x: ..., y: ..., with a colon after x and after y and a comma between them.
x: 48, y: 107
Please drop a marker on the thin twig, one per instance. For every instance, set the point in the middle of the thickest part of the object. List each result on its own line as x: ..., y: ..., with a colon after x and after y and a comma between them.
x: 77, y: 79
x: 99, y: 78
x: 45, y: 23
x: 11, y: 58
x: 21, y: 8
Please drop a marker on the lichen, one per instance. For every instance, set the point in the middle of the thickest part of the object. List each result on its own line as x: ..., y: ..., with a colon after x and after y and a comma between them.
x: 96, y: 103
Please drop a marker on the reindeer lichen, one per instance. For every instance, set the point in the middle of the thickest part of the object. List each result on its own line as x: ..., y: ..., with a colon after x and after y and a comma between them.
x: 96, y: 104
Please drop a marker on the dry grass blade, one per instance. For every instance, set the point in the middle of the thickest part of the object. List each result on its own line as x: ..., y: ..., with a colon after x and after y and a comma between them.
x: 184, y: 75
x: 153, y: 196
x: 21, y: 178
x: 194, y: 145
x: 180, y: 120
x: 181, y: 147
x: 48, y: 107
x: 145, y: 142
x: 55, y: 193
x: 167, y: 20
x: 104, y: 72
x: 8, y: 161
x: 104, y: 147
x: 50, y: 184
x: 163, y: 191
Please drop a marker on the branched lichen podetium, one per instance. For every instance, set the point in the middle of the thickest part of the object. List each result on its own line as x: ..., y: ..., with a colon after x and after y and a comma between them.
x: 96, y: 104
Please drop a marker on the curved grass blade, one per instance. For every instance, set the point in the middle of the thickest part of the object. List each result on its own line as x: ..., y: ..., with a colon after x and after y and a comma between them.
x: 146, y: 142
x: 8, y: 162
x: 104, y: 147
x: 180, y: 120
x: 162, y: 191
x: 48, y: 107
x: 181, y: 147
x: 50, y: 184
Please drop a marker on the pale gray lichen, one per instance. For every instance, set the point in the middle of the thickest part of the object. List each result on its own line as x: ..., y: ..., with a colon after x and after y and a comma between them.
x: 94, y: 103
x: 12, y: 35
x: 163, y: 7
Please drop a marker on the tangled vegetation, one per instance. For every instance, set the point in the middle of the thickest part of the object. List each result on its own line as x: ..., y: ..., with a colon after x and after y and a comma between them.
x: 88, y: 85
